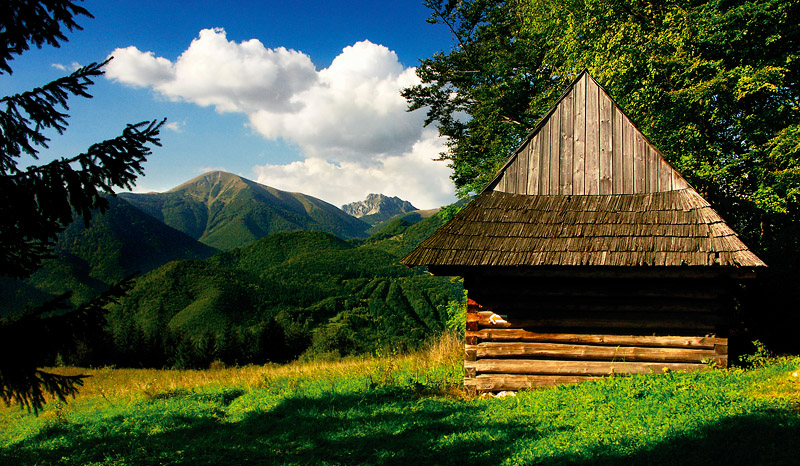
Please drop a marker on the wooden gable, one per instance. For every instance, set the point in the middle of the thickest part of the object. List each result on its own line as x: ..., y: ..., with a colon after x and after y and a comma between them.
x: 586, y: 145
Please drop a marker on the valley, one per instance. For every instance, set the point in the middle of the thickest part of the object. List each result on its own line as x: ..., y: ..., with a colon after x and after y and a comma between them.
x: 231, y: 271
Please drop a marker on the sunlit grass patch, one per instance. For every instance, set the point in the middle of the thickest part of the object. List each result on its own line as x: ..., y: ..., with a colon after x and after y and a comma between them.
x: 407, y: 409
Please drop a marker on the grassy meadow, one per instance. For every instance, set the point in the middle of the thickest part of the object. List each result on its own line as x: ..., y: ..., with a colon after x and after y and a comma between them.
x: 409, y: 409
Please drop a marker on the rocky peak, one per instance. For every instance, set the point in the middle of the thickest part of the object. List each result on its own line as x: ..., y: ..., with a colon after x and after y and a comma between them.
x: 378, y: 204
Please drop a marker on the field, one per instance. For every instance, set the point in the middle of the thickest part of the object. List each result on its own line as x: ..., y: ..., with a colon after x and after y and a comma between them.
x: 409, y: 409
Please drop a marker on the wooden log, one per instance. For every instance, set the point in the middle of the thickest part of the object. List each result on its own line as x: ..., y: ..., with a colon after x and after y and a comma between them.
x: 676, y: 321
x: 593, y: 290
x: 495, y: 383
x: 596, y: 339
x: 470, y: 353
x: 590, y: 352
x: 515, y: 305
x: 595, y: 368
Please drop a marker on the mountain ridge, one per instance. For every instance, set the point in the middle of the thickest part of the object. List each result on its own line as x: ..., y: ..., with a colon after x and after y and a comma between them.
x: 377, y: 208
x: 226, y: 211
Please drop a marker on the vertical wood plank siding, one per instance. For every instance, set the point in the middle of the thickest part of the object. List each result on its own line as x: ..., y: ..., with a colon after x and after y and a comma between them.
x: 592, y: 175
x: 579, y: 138
x: 587, y: 145
x: 567, y: 141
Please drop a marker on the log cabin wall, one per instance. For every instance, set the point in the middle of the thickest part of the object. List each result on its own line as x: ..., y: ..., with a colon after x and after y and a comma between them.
x: 529, y: 331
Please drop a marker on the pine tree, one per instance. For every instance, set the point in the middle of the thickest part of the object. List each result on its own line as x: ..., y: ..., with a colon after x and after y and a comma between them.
x: 38, y: 202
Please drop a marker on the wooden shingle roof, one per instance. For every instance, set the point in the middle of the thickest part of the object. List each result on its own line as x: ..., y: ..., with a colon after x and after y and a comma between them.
x: 664, y: 229
x: 586, y: 189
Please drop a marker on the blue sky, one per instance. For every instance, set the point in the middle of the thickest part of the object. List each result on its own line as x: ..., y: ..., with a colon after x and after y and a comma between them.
x: 299, y: 95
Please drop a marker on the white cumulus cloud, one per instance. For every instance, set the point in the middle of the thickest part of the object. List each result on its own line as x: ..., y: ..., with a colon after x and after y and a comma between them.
x: 348, y: 120
x: 412, y: 175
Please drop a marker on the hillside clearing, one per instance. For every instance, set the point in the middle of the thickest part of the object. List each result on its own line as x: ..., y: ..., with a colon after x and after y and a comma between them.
x: 408, y: 410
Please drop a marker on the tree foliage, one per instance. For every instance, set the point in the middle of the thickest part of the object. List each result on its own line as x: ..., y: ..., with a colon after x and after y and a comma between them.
x: 715, y: 84
x: 484, y: 94
x: 38, y: 202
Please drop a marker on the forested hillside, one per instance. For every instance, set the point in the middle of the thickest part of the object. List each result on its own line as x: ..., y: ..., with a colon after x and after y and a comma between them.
x: 284, y: 296
x: 87, y: 259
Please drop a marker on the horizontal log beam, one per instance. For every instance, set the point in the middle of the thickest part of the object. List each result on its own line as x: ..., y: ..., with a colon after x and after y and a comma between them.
x: 536, y: 304
x: 594, y: 368
x: 697, y: 322
x: 590, y: 352
x: 494, y: 383
x: 595, y: 339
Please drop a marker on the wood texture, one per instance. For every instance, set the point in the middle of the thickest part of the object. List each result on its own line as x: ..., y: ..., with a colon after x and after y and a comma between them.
x: 700, y: 323
x: 591, y: 352
x: 522, y: 335
x: 579, y: 137
x: 592, y: 176
x: 616, y: 151
x: 586, y: 145
x: 555, y: 150
x: 498, y: 382
x: 673, y: 228
x: 565, y: 159
x: 592, y: 368
x: 606, y: 144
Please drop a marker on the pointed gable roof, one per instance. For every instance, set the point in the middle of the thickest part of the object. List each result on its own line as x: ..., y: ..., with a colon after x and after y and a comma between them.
x: 587, y: 188
x: 586, y: 144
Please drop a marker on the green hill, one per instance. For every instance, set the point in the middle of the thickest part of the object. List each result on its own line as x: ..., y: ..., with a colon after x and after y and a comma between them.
x: 226, y: 211
x: 118, y: 243
x: 309, y: 291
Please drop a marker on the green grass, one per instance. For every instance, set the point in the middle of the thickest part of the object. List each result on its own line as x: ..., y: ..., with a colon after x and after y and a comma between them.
x: 408, y: 410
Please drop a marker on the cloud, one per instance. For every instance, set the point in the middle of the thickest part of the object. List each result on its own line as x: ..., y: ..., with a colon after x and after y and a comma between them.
x: 71, y: 67
x: 175, y: 126
x: 213, y: 71
x: 348, y: 120
x: 412, y: 175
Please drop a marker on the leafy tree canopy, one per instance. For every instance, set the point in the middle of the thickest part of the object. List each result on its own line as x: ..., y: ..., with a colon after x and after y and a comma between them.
x: 714, y: 84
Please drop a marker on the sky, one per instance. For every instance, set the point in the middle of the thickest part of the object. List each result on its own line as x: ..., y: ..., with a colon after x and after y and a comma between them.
x: 299, y: 95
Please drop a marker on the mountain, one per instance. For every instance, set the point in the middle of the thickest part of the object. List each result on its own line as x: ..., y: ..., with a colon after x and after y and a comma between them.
x: 122, y: 241
x: 378, y: 208
x: 226, y: 211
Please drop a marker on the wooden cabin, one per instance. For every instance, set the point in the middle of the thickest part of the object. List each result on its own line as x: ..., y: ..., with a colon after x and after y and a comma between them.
x: 589, y: 255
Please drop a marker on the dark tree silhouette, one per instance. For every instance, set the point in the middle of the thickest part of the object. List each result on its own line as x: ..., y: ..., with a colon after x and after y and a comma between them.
x: 38, y: 202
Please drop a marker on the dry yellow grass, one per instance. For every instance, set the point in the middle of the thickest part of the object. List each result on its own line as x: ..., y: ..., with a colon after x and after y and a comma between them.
x: 114, y: 385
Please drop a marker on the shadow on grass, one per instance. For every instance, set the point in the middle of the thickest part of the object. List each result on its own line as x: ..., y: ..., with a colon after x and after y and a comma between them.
x: 382, y: 427
x: 765, y: 438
